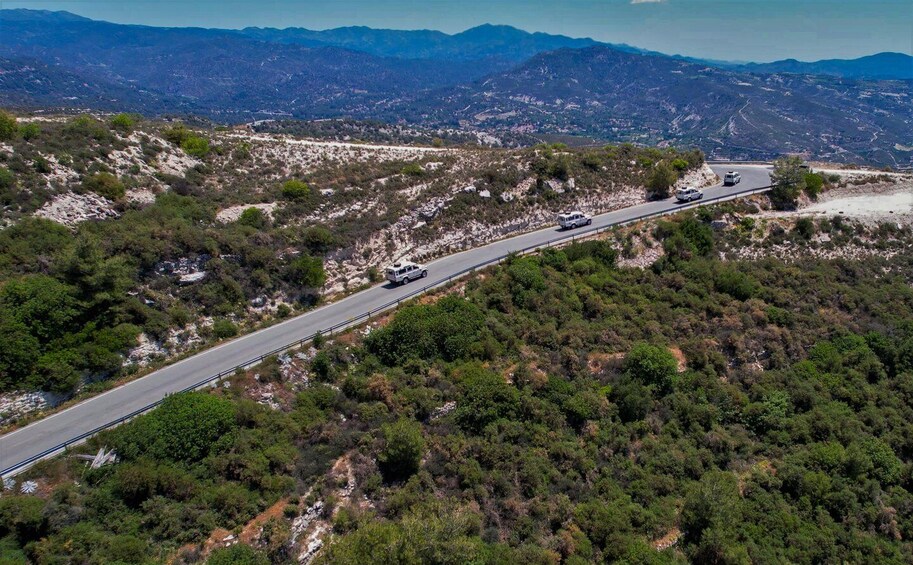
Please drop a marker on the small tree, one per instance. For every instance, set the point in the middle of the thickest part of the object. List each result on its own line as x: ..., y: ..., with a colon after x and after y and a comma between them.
x: 486, y: 398
x: 8, y: 126
x: 29, y: 131
x: 254, y: 217
x: 661, y: 180
x: 402, y: 452
x: 7, y: 179
x: 196, y: 146
x: 123, y: 123
x: 295, y: 189
x: 413, y: 170
x: 223, y: 329
x: 307, y: 271
x: 177, y: 134
x: 814, y: 183
x: 651, y: 365
x: 788, y: 182
x: 105, y: 184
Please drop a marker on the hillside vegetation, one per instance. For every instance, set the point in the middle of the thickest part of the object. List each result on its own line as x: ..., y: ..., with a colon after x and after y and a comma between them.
x: 555, y: 409
x: 146, y: 239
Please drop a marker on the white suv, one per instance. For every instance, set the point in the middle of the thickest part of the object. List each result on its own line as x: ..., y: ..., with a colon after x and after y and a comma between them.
x: 405, y: 271
x: 575, y: 219
x: 688, y: 194
x: 732, y: 178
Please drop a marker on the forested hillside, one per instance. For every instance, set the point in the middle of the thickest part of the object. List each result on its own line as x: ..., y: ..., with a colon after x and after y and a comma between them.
x: 559, y: 408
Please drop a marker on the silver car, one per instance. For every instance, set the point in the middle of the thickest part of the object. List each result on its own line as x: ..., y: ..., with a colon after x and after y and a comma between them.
x: 688, y: 194
x: 405, y: 271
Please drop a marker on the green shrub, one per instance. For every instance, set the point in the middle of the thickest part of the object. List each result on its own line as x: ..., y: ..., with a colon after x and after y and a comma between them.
x: 176, y: 134
x: 813, y: 185
x: 7, y: 179
x: 486, y: 398
x: 186, y: 428
x: 307, y: 272
x: 736, y: 284
x: 238, y: 554
x: 254, y: 218
x: 29, y: 131
x: 106, y: 185
x: 223, y: 329
x: 8, y: 127
x: 651, y: 365
x: 403, y: 449
x: 123, y: 123
x: 413, y: 170
x: 295, y: 189
x: 449, y: 329
x: 196, y: 146
x: 805, y: 227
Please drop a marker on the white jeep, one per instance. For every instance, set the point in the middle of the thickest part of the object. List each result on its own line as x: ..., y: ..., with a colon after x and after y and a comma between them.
x: 575, y: 219
x: 404, y: 271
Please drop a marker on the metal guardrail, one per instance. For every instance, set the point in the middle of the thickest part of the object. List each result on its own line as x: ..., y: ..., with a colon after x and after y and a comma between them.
x: 583, y: 234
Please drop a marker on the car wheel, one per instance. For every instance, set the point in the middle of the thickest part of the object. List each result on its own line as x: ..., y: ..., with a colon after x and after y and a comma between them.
x: 588, y: 222
x: 424, y: 274
x: 405, y: 280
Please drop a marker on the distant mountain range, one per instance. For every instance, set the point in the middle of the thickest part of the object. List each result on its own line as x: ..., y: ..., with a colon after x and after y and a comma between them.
x: 489, y: 77
x: 644, y: 98
x: 881, y: 66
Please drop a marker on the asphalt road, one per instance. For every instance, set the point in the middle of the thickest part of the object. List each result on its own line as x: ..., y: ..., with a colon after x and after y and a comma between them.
x: 42, y: 435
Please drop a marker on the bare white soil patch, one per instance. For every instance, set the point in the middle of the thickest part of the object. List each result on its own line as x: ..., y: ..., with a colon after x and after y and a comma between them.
x: 232, y: 213
x: 877, y: 205
x: 307, y: 155
x: 71, y: 208
x: 699, y: 178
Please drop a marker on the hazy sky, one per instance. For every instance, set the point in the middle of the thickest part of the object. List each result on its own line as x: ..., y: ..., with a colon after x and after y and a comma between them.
x: 759, y: 30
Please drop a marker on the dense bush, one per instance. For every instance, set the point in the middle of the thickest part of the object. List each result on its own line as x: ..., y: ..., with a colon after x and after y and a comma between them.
x: 651, y: 365
x: 8, y: 126
x: 123, y: 122
x: 105, y: 184
x: 185, y: 428
x: 295, y: 189
x: 452, y: 329
x: 486, y: 398
x: 813, y: 185
x: 403, y: 449
x: 196, y: 146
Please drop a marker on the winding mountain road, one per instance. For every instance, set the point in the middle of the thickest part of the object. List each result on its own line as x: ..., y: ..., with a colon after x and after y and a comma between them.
x: 45, y: 438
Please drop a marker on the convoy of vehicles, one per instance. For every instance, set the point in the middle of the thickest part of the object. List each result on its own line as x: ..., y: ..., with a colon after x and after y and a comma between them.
x: 404, y: 271
x: 575, y: 219
x: 688, y: 194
